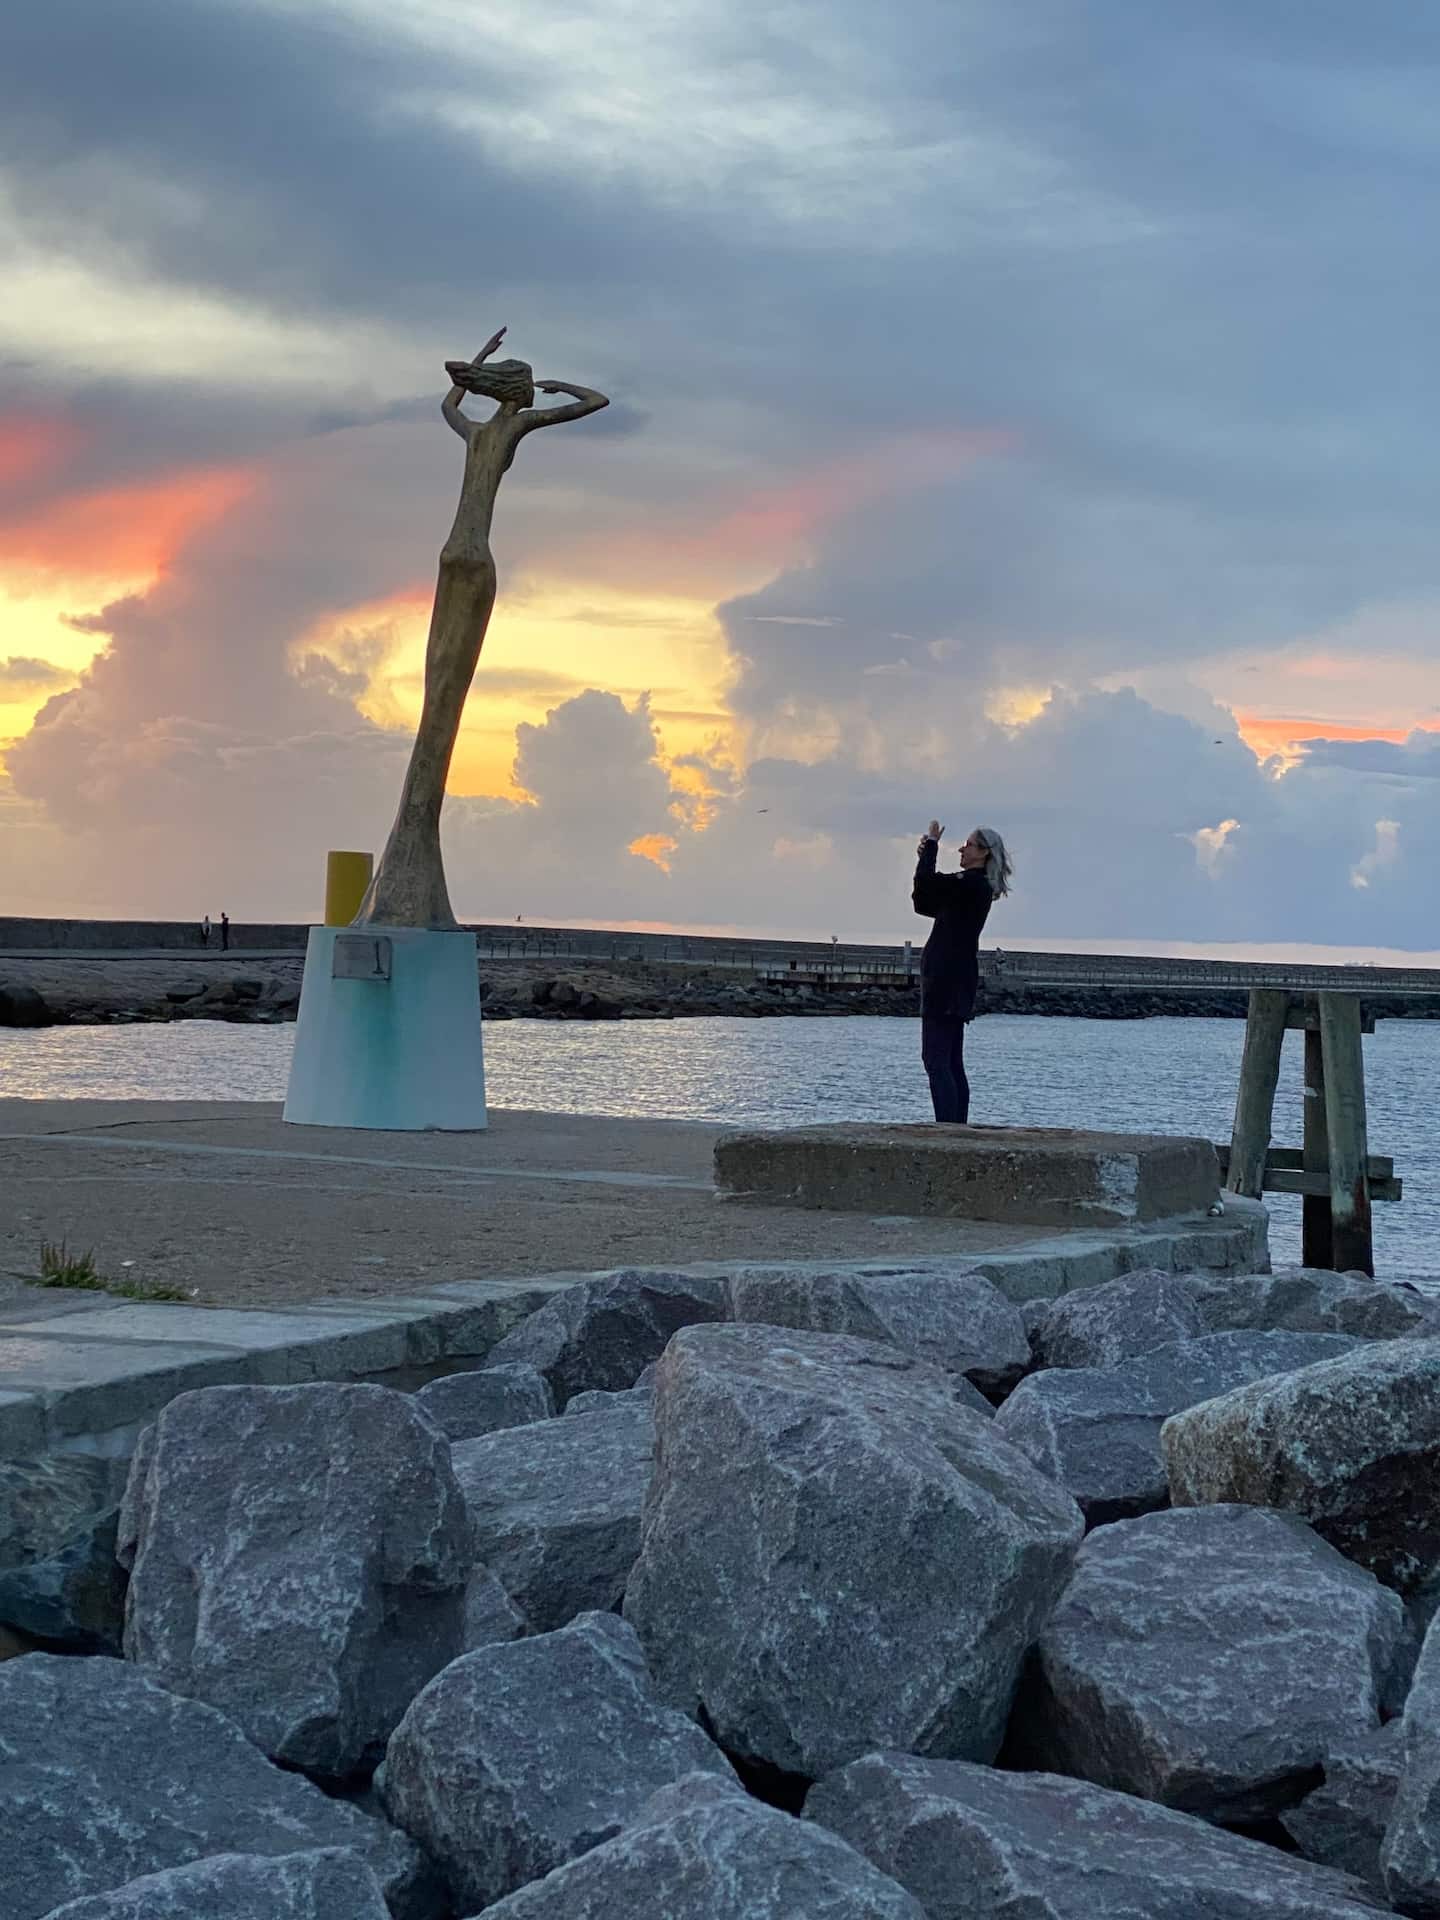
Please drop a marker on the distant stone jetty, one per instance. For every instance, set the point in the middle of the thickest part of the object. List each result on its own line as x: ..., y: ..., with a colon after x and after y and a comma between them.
x: 89, y: 971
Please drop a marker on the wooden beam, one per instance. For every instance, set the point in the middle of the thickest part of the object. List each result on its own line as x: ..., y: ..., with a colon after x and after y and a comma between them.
x: 1255, y: 1100
x: 1303, y: 1017
x: 1351, y: 1242
x: 1317, y: 1185
x: 1379, y: 1166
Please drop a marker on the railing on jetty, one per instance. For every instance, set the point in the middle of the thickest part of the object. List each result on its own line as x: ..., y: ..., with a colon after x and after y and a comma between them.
x: 1334, y: 1169
x: 835, y: 962
x: 843, y: 960
x: 1159, y: 971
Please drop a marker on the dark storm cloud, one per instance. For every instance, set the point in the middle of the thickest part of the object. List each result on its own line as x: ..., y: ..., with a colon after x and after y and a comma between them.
x: 1178, y: 256
x: 298, y: 180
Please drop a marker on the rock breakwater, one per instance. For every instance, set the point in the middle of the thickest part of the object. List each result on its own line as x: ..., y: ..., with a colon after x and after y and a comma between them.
x: 80, y: 990
x: 842, y: 1647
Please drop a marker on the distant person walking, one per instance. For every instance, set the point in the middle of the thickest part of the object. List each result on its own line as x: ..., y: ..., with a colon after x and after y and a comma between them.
x: 224, y: 933
x: 959, y: 904
x: 205, y: 931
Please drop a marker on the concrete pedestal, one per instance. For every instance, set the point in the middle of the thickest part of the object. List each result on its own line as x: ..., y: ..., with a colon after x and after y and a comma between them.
x: 388, y: 1036
x: 1042, y: 1176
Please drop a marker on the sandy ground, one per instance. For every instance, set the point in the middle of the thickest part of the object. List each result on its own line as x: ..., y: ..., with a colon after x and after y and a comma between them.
x: 225, y: 1202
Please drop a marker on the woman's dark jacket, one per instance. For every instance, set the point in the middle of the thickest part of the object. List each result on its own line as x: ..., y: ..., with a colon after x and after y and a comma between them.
x: 959, y: 904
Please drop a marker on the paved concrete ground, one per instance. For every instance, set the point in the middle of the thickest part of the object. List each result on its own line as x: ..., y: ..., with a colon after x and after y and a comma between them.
x: 318, y: 1254
x: 225, y: 1202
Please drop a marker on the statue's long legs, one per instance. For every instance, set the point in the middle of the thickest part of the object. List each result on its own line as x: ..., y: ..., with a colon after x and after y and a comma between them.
x: 409, y: 887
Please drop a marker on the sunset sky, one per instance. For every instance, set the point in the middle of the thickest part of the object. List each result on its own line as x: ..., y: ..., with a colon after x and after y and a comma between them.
x: 1022, y: 413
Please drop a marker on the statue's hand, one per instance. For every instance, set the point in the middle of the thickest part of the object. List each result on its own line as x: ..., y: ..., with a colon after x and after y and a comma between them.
x: 491, y: 344
x: 550, y: 386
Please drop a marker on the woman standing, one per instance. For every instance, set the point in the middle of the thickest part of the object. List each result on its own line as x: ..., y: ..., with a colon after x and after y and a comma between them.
x: 959, y: 904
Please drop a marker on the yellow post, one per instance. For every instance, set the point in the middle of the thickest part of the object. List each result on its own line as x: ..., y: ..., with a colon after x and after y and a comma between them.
x: 347, y: 875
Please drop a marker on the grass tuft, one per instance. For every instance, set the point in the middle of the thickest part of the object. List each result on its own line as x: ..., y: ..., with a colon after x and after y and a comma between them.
x: 61, y: 1268
x: 146, y: 1290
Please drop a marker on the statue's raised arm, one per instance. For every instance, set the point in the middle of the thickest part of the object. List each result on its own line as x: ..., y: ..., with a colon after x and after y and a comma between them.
x: 586, y: 400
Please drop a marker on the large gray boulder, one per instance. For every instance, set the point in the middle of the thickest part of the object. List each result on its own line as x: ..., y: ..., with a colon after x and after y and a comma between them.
x: 486, y: 1400
x: 1410, y: 1853
x: 957, y: 1321
x: 838, y: 1553
x: 22, y: 1005
x: 1313, y: 1300
x: 106, y: 1777
x: 46, y: 1502
x: 1097, y: 1429
x: 298, y: 1558
x: 698, y: 1851
x: 72, y: 1601
x: 555, y: 1508
x: 604, y: 1332
x: 1210, y: 1659
x: 1342, y: 1822
x: 518, y: 1758
x: 974, y: 1844
x: 1353, y: 1444
x: 1101, y: 1326
x: 299, y: 1886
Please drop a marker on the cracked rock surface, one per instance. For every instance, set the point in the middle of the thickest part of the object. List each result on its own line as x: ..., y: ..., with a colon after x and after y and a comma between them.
x: 838, y: 1552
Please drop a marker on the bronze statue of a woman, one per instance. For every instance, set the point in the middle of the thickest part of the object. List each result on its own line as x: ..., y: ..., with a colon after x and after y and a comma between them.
x: 409, y: 889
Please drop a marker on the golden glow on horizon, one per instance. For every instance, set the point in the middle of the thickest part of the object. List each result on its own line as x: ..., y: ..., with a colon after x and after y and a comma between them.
x: 546, y: 644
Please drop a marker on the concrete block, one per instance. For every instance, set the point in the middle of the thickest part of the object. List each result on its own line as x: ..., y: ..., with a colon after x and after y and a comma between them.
x: 1048, y: 1177
x: 91, y: 1386
x: 279, y: 1346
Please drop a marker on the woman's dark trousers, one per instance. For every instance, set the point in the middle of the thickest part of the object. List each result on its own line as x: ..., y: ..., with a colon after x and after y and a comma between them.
x: 942, y: 1049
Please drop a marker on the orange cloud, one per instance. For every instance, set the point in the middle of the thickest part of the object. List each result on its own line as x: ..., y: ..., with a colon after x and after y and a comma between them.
x: 118, y: 533
x: 655, y: 847
x: 1268, y: 734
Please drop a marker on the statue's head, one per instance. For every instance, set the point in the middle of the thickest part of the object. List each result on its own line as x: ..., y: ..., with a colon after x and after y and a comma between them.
x: 511, y: 382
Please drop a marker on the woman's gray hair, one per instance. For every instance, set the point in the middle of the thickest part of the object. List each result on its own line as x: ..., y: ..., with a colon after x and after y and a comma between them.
x: 997, y: 861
